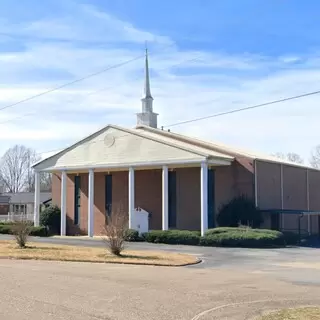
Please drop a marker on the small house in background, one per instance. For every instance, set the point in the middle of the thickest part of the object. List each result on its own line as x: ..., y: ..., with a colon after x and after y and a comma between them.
x: 23, y: 202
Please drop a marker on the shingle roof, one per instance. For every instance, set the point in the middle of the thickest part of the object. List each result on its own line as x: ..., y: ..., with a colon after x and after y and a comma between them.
x: 26, y: 197
x: 216, y: 146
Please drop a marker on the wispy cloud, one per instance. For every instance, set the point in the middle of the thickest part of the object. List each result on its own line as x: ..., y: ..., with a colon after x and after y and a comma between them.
x: 81, y: 39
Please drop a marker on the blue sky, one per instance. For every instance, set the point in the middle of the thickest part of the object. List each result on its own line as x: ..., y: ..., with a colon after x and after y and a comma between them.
x: 205, y: 57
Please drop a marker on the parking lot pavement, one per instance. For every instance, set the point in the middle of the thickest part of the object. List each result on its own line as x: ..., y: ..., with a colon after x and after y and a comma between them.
x: 61, y: 290
x: 303, y: 268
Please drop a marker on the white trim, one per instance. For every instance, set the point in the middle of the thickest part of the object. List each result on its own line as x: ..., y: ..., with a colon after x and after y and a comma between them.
x: 146, y: 164
x: 131, y: 197
x: 133, y: 132
x: 255, y: 183
x: 36, y: 212
x: 204, y: 197
x: 91, y: 203
x: 63, y: 203
x: 165, y: 197
x: 308, y: 201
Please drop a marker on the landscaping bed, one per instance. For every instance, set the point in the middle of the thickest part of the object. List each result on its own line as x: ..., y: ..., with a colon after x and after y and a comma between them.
x: 7, y: 228
x: 38, y: 251
x: 218, y: 237
x: 307, y: 313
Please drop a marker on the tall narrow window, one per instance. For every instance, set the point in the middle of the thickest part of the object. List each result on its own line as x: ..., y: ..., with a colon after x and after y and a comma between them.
x: 77, y: 193
x: 211, y: 198
x: 108, y: 194
x: 172, y: 201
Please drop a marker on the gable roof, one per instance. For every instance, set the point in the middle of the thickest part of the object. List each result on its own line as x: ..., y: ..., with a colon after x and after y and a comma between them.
x: 218, y: 147
x: 138, y: 146
x: 26, y: 197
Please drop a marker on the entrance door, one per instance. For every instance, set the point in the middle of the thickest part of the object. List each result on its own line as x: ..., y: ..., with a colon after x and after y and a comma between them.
x: 77, y: 202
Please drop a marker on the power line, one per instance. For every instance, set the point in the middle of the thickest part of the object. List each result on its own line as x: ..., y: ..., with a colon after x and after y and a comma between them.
x: 72, y: 82
x: 242, y: 109
x: 221, y: 114
x: 99, y: 90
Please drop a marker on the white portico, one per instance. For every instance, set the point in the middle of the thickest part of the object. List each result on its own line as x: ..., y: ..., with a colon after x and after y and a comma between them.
x: 132, y: 151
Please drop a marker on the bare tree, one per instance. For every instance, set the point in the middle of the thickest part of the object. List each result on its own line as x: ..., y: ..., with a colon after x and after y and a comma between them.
x: 315, y: 157
x: 21, y: 230
x: 294, y: 157
x: 15, y: 168
x: 45, y: 181
x: 115, y: 230
x: 291, y: 156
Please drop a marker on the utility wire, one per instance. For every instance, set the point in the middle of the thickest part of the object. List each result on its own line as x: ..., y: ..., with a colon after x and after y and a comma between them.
x: 72, y: 82
x: 221, y: 113
x: 99, y: 90
x: 242, y: 109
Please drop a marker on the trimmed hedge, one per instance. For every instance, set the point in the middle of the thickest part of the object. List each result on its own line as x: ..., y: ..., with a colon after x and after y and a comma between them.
x: 132, y: 235
x: 242, y: 237
x: 35, y: 231
x: 239, y: 229
x: 173, y: 237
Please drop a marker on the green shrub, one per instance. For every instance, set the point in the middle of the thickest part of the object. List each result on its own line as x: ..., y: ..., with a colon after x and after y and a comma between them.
x: 173, y: 237
x: 240, y: 210
x: 238, y: 237
x: 34, y: 231
x: 50, y: 218
x: 239, y: 229
x: 39, y: 231
x: 132, y: 235
x: 5, y: 228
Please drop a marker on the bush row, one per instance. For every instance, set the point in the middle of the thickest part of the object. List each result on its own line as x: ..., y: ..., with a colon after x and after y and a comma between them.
x: 7, y: 228
x: 218, y: 237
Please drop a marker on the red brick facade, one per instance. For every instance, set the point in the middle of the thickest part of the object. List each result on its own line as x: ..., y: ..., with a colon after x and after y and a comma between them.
x: 229, y: 181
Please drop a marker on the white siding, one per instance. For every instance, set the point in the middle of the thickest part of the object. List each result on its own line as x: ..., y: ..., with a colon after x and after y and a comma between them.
x: 126, y: 148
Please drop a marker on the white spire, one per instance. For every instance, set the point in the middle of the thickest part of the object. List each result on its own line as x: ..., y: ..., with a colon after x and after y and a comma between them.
x: 147, y: 117
x: 147, y: 91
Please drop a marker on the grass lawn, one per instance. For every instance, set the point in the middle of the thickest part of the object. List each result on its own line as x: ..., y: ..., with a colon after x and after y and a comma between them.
x: 308, y: 313
x: 40, y: 251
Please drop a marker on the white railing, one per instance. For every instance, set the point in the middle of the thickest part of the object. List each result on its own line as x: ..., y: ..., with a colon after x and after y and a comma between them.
x: 14, y: 216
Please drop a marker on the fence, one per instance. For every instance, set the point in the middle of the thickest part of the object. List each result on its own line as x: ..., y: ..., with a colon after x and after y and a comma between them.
x: 12, y: 216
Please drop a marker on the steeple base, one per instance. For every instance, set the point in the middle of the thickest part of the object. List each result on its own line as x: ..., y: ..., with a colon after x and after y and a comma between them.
x: 149, y: 119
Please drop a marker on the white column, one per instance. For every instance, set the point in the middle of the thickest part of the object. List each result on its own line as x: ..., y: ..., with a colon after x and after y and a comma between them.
x: 36, y: 209
x: 204, y: 197
x: 63, y: 203
x: 165, y: 198
x: 91, y: 203
x: 131, y: 197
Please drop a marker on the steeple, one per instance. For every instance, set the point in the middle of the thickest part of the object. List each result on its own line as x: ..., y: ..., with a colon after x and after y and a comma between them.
x: 147, y: 91
x: 147, y: 117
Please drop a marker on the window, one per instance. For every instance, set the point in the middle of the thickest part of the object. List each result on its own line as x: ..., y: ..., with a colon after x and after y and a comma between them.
x: 77, y: 198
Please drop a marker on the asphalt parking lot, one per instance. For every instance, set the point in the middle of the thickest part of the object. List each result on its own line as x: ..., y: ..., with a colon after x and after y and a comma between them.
x: 229, y: 284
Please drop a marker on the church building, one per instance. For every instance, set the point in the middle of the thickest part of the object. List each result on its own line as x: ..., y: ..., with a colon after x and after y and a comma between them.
x: 177, y: 181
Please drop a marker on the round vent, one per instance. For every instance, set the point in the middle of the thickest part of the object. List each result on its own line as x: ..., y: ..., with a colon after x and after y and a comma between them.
x: 109, y: 140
